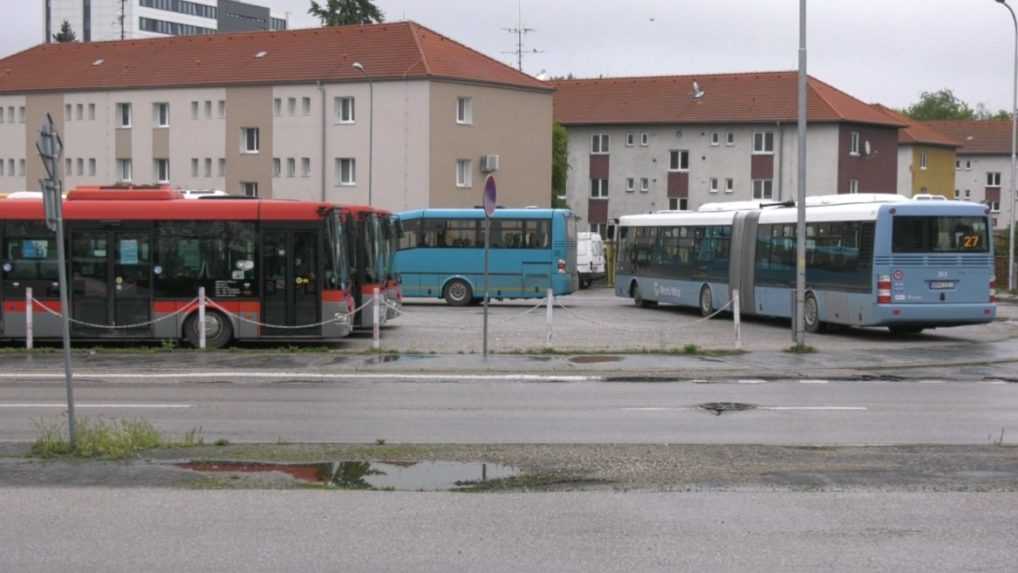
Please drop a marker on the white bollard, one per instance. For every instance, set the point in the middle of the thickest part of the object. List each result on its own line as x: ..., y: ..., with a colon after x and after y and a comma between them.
x: 29, y: 308
x: 737, y: 315
x: 548, y: 316
x: 376, y: 307
x: 201, y: 318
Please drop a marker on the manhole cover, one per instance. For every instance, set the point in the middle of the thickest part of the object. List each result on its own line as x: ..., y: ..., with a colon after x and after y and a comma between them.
x: 718, y: 408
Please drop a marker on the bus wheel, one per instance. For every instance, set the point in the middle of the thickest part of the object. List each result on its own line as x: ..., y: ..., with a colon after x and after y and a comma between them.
x: 811, y: 314
x: 706, y: 301
x: 638, y: 298
x: 905, y: 330
x: 458, y: 293
x: 218, y: 330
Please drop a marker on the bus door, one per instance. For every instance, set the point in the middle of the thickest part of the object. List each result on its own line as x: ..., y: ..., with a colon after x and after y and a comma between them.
x: 291, y: 283
x: 111, y: 279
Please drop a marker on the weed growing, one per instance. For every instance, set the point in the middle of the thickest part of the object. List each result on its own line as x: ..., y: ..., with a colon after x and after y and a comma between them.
x: 108, y: 439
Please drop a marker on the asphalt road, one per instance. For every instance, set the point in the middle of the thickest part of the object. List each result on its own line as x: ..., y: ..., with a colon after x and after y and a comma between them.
x: 96, y: 529
x: 484, y: 411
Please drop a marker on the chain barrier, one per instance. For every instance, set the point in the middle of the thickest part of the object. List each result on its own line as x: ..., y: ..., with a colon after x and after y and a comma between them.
x: 189, y: 306
x: 340, y: 317
x: 623, y: 327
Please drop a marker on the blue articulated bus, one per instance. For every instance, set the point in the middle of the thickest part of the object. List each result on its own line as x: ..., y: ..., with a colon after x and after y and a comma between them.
x: 872, y: 260
x: 441, y: 254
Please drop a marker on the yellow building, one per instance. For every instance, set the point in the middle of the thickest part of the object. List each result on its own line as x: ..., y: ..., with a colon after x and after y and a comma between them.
x: 926, y: 158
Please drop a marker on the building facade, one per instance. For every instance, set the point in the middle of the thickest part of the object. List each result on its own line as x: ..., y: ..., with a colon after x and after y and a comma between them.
x: 644, y: 144
x: 926, y: 158
x: 412, y: 126
x: 102, y: 20
x: 983, y: 164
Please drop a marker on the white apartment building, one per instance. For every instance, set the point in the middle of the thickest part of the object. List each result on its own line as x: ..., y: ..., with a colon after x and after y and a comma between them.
x: 983, y: 165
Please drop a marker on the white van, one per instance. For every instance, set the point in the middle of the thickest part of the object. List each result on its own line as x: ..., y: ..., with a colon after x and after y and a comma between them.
x: 589, y: 258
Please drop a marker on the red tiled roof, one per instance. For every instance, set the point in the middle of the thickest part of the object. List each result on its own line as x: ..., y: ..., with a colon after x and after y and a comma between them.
x: 387, y: 51
x: 916, y: 131
x: 978, y: 137
x: 756, y: 97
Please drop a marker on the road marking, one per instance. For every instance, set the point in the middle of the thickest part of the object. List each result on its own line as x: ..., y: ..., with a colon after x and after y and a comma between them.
x: 814, y: 381
x: 932, y: 382
x: 93, y: 405
x: 302, y: 375
x: 816, y: 408
x: 657, y: 409
x: 752, y: 381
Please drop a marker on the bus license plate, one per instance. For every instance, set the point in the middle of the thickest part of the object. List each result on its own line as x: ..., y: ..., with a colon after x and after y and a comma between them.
x: 941, y: 285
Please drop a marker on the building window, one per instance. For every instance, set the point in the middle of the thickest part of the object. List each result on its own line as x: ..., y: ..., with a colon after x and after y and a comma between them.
x: 715, y: 139
x: 968, y: 164
x: 305, y: 167
x: 222, y: 167
x: 91, y: 112
x: 277, y: 107
x: 678, y: 160
x: 249, y: 189
x: 630, y: 184
x: 763, y: 188
x: 968, y: 193
x: 678, y: 204
x: 305, y: 105
x: 124, y: 115
x: 599, y: 143
x: 853, y: 186
x: 124, y: 171
x: 957, y: 194
x: 21, y: 168
x: 81, y: 112
x: 994, y: 206
x: 2, y: 114
x: 162, y: 114
x: 68, y: 166
x: 465, y: 110
x: 249, y: 140
x: 923, y: 159
x: 853, y: 145
x: 644, y: 139
x: 68, y: 115
x: 729, y: 185
x: 346, y: 110
x: 763, y: 142
x: 195, y: 110
x: 346, y: 171
x: 81, y: 167
x: 162, y: 169
x: 644, y: 184
x: 21, y: 114
x: 208, y: 109
x: 993, y: 179
x: 277, y: 167
x: 730, y: 138
x: 630, y: 139
x: 714, y: 184
x: 291, y: 167
x: 463, y: 173
x: 291, y: 106
x: 195, y: 167
x: 957, y: 164
x: 599, y: 188
x: 10, y: 167
x: 222, y: 108
x: 2, y: 167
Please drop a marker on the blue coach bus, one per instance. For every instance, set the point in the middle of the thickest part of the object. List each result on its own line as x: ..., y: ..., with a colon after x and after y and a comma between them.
x: 872, y: 260
x: 441, y: 254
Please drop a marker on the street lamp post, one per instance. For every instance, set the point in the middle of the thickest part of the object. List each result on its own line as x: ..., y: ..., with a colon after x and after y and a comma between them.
x: 371, y: 132
x: 798, y: 324
x: 1014, y: 157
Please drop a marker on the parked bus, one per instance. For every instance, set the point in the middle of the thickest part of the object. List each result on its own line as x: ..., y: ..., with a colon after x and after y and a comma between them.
x: 441, y: 254
x: 135, y: 256
x: 373, y: 235
x: 872, y: 260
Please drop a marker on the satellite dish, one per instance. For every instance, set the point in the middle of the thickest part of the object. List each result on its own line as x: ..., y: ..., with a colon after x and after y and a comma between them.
x: 867, y: 148
x: 697, y: 92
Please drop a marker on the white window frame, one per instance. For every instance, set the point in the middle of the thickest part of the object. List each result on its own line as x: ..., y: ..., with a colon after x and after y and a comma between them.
x: 351, y: 181
x: 291, y: 106
x: 91, y: 112
x: 853, y: 186
x: 676, y: 166
x: 630, y: 184
x: 346, y: 110
x: 715, y: 184
x: 305, y: 167
x: 68, y: 112
x: 195, y: 167
x: 464, y: 173
x: 991, y: 176
x: 221, y: 108
x: 305, y: 105
x: 968, y: 165
x: 79, y: 112
x: 246, y: 140
x: 957, y: 193
x: 995, y: 206
x: 644, y: 139
x: 600, y: 144
x: 208, y: 109
x: 221, y: 167
x: 715, y: 139
x: 924, y: 160
x: 125, y: 109
x: 854, y: 143
x: 968, y: 194
x: 81, y: 166
x: 291, y: 167
x: 249, y: 188
x: 465, y: 110
x: 208, y: 168
x: 598, y: 188
x: 195, y: 110
x: 277, y: 107
x: 760, y: 189
x: 158, y: 171
x: 644, y: 184
x: 729, y: 185
x: 125, y: 170
x: 277, y: 167
x: 21, y: 168
x: 630, y: 139
x: 763, y: 148
x: 730, y: 139
x: 161, y: 117
x: 21, y: 115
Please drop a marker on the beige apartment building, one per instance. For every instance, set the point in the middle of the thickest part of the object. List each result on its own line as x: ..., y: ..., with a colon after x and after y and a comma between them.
x: 394, y: 115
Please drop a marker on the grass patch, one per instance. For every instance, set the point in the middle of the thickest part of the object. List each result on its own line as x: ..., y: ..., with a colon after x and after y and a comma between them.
x: 800, y: 349
x: 107, y: 439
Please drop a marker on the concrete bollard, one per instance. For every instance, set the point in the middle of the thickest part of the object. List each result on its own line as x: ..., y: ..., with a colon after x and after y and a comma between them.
x: 548, y: 318
x: 376, y: 307
x: 29, y: 308
x: 201, y: 318
x: 737, y: 318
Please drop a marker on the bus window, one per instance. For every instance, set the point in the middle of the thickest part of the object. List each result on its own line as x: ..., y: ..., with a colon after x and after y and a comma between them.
x: 210, y: 254
x: 507, y: 234
x: 538, y: 234
x: 410, y: 237
x: 930, y: 234
x: 30, y: 254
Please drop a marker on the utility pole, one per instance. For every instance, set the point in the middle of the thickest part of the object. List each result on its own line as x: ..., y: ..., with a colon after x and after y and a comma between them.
x: 123, y: 19
x: 800, y: 202
x: 521, y: 32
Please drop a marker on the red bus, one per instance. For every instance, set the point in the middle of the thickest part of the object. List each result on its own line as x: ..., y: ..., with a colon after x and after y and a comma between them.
x: 374, y: 236
x: 137, y: 256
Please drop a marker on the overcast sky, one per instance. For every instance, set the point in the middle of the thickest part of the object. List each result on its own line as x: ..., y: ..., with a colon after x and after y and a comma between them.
x: 877, y: 50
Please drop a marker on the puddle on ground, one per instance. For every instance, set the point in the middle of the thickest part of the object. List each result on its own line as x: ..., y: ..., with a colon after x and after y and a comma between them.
x: 398, y: 476
x: 594, y: 359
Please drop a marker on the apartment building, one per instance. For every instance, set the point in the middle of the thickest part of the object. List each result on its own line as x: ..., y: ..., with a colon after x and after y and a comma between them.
x: 983, y: 166
x: 394, y: 115
x: 101, y: 20
x: 926, y: 157
x: 676, y: 142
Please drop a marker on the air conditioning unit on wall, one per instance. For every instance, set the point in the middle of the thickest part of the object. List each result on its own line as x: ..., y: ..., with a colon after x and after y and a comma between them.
x: 490, y: 163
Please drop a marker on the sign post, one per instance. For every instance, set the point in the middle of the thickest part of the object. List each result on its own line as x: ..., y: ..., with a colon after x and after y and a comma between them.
x: 51, y: 150
x: 489, y: 210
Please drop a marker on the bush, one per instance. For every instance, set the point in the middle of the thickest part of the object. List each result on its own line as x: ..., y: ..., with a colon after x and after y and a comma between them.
x: 98, y: 438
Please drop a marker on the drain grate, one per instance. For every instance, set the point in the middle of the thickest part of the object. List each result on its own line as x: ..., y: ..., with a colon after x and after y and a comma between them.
x: 718, y: 408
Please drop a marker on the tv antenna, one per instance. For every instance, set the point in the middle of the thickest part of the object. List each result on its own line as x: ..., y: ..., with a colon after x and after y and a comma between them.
x: 521, y: 32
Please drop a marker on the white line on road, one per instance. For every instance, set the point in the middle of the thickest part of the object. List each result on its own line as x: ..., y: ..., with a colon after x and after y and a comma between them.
x: 813, y: 381
x: 17, y: 405
x: 775, y: 408
x: 752, y: 381
x: 301, y: 376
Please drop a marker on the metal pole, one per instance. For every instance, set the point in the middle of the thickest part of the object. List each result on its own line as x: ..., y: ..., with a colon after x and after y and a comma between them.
x: 65, y: 310
x: 549, y: 317
x: 737, y: 317
x: 1014, y: 158
x: 800, y: 227
x: 201, y: 318
x: 371, y: 144
x: 376, y: 326
x: 29, y: 307
x: 487, y: 247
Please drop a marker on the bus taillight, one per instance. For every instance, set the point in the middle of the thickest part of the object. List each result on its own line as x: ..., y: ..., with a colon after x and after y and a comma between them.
x: 884, y: 289
x: 561, y: 266
x: 993, y: 289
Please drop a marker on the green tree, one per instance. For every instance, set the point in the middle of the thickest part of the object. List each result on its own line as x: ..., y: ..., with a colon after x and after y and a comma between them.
x: 942, y: 104
x: 346, y: 12
x: 66, y: 33
x: 983, y: 112
x: 559, y: 165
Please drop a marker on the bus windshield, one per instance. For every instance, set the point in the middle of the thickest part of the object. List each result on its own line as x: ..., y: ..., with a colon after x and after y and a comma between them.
x: 931, y: 234
x: 340, y: 275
